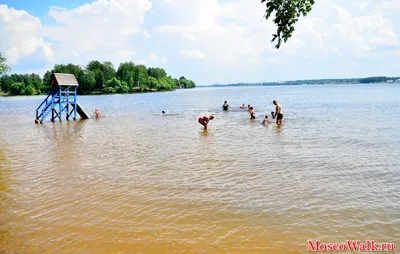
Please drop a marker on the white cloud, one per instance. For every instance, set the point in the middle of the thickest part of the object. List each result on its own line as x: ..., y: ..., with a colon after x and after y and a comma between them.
x: 99, y: 30
x: 192, y: 53
x: 230, y: 35
x: 236, y: 30
x: 21, y: 36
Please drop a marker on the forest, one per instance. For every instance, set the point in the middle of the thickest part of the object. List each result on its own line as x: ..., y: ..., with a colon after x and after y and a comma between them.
x: 97, y: 78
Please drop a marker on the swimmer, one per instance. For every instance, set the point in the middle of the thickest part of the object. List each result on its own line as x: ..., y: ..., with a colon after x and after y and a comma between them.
x: 252, y: 113
x: 164, y: 113
x: 205, y: 119
x: 278, y: 112
x: 97, y: 113
x: 265, y: 121
x: 225, y: 106
x: 243, y: 106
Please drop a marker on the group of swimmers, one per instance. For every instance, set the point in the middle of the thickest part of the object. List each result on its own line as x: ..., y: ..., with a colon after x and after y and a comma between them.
x: 205, y: 119
x: 278, y: 114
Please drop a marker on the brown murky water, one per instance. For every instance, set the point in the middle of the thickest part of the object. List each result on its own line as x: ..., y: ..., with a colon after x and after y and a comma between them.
x: 137, y: 182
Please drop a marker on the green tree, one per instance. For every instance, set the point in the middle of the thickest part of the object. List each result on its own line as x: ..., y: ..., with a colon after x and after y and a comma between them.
x: 3, y: 66
x: 29, y: 90
x: 87, y: 82
x: 17, y: 88
x: 36, y: 82
x: 141, y: 75
x: 126, y: 72
x: 102, y: 72
x: 157, y: 73
x: 152, y: 82
x: 114, y: 85
x: 108, y: 70
x: 5, y: 83
x: 186, y: 83
x: 287, y: 13
x: 122, y: 88
x: 95, y: 68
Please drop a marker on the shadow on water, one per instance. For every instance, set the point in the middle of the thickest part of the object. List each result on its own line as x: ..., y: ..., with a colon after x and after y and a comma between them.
x: 205, y: 133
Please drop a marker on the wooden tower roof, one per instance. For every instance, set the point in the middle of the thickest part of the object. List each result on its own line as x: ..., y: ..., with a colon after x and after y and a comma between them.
x: 63, y: 79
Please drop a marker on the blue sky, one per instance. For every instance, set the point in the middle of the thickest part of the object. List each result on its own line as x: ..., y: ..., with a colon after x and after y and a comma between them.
x: 209, y: 41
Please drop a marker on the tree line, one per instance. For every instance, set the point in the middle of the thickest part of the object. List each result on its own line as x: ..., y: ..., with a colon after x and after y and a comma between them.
x: 96, y: 77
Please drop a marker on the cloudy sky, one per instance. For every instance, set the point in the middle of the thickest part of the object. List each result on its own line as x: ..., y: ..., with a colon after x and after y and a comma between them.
x: 209, y: 41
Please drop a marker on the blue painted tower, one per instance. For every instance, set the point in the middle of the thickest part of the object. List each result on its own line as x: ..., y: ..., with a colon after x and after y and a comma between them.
x: 62, y: 100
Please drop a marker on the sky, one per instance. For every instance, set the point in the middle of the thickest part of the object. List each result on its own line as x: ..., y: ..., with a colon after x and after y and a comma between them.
x: 208, y: 41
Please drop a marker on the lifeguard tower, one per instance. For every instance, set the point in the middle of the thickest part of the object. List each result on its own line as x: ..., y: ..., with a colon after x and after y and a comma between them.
x: 61, y: 100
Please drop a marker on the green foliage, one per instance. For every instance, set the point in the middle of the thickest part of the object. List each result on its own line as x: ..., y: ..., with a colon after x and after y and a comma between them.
x: 3, y: 66
x: 96, y: 77
x: 152, y: 82
x: 141, y: 75
x: 17, y: 88
x: 157, y: 73
x: 186, y: 83
x: 287, y: 13
x: 126, y: 72
x: 102, y: 72
x: 87, y: 81
x: 28, y: 80
x: 29, y: 90
x: 116, y: 86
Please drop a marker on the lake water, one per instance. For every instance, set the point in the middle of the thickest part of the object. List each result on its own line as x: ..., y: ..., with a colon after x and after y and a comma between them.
x: 138, y: 182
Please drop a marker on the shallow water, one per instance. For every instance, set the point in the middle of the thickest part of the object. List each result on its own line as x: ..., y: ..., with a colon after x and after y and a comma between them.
x: 138, y: 182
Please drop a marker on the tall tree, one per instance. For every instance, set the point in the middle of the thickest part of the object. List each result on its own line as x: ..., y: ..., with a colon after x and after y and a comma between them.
x: 108, y: 70
x: 287, y: 13
x: 126, y: 72
x: 3, y: 66
x: 141, y: 75
x: 157, y: 73
x: 102, y: 72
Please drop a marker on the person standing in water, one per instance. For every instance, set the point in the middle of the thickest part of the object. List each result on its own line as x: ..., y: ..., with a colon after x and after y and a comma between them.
x: 225, y: 106
x: 278, y: 112
x: 252, y: 113
x: 205, y: 119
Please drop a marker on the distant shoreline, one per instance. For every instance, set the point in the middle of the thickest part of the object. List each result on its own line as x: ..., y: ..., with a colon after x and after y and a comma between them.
x: 369, y: 80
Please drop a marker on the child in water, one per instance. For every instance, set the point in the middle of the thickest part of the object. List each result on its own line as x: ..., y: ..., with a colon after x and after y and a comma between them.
x: 205, y: 119
x: 164, y: 113
x: 252, y: 113
x: 97, y: 113
x: 265, y: 121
